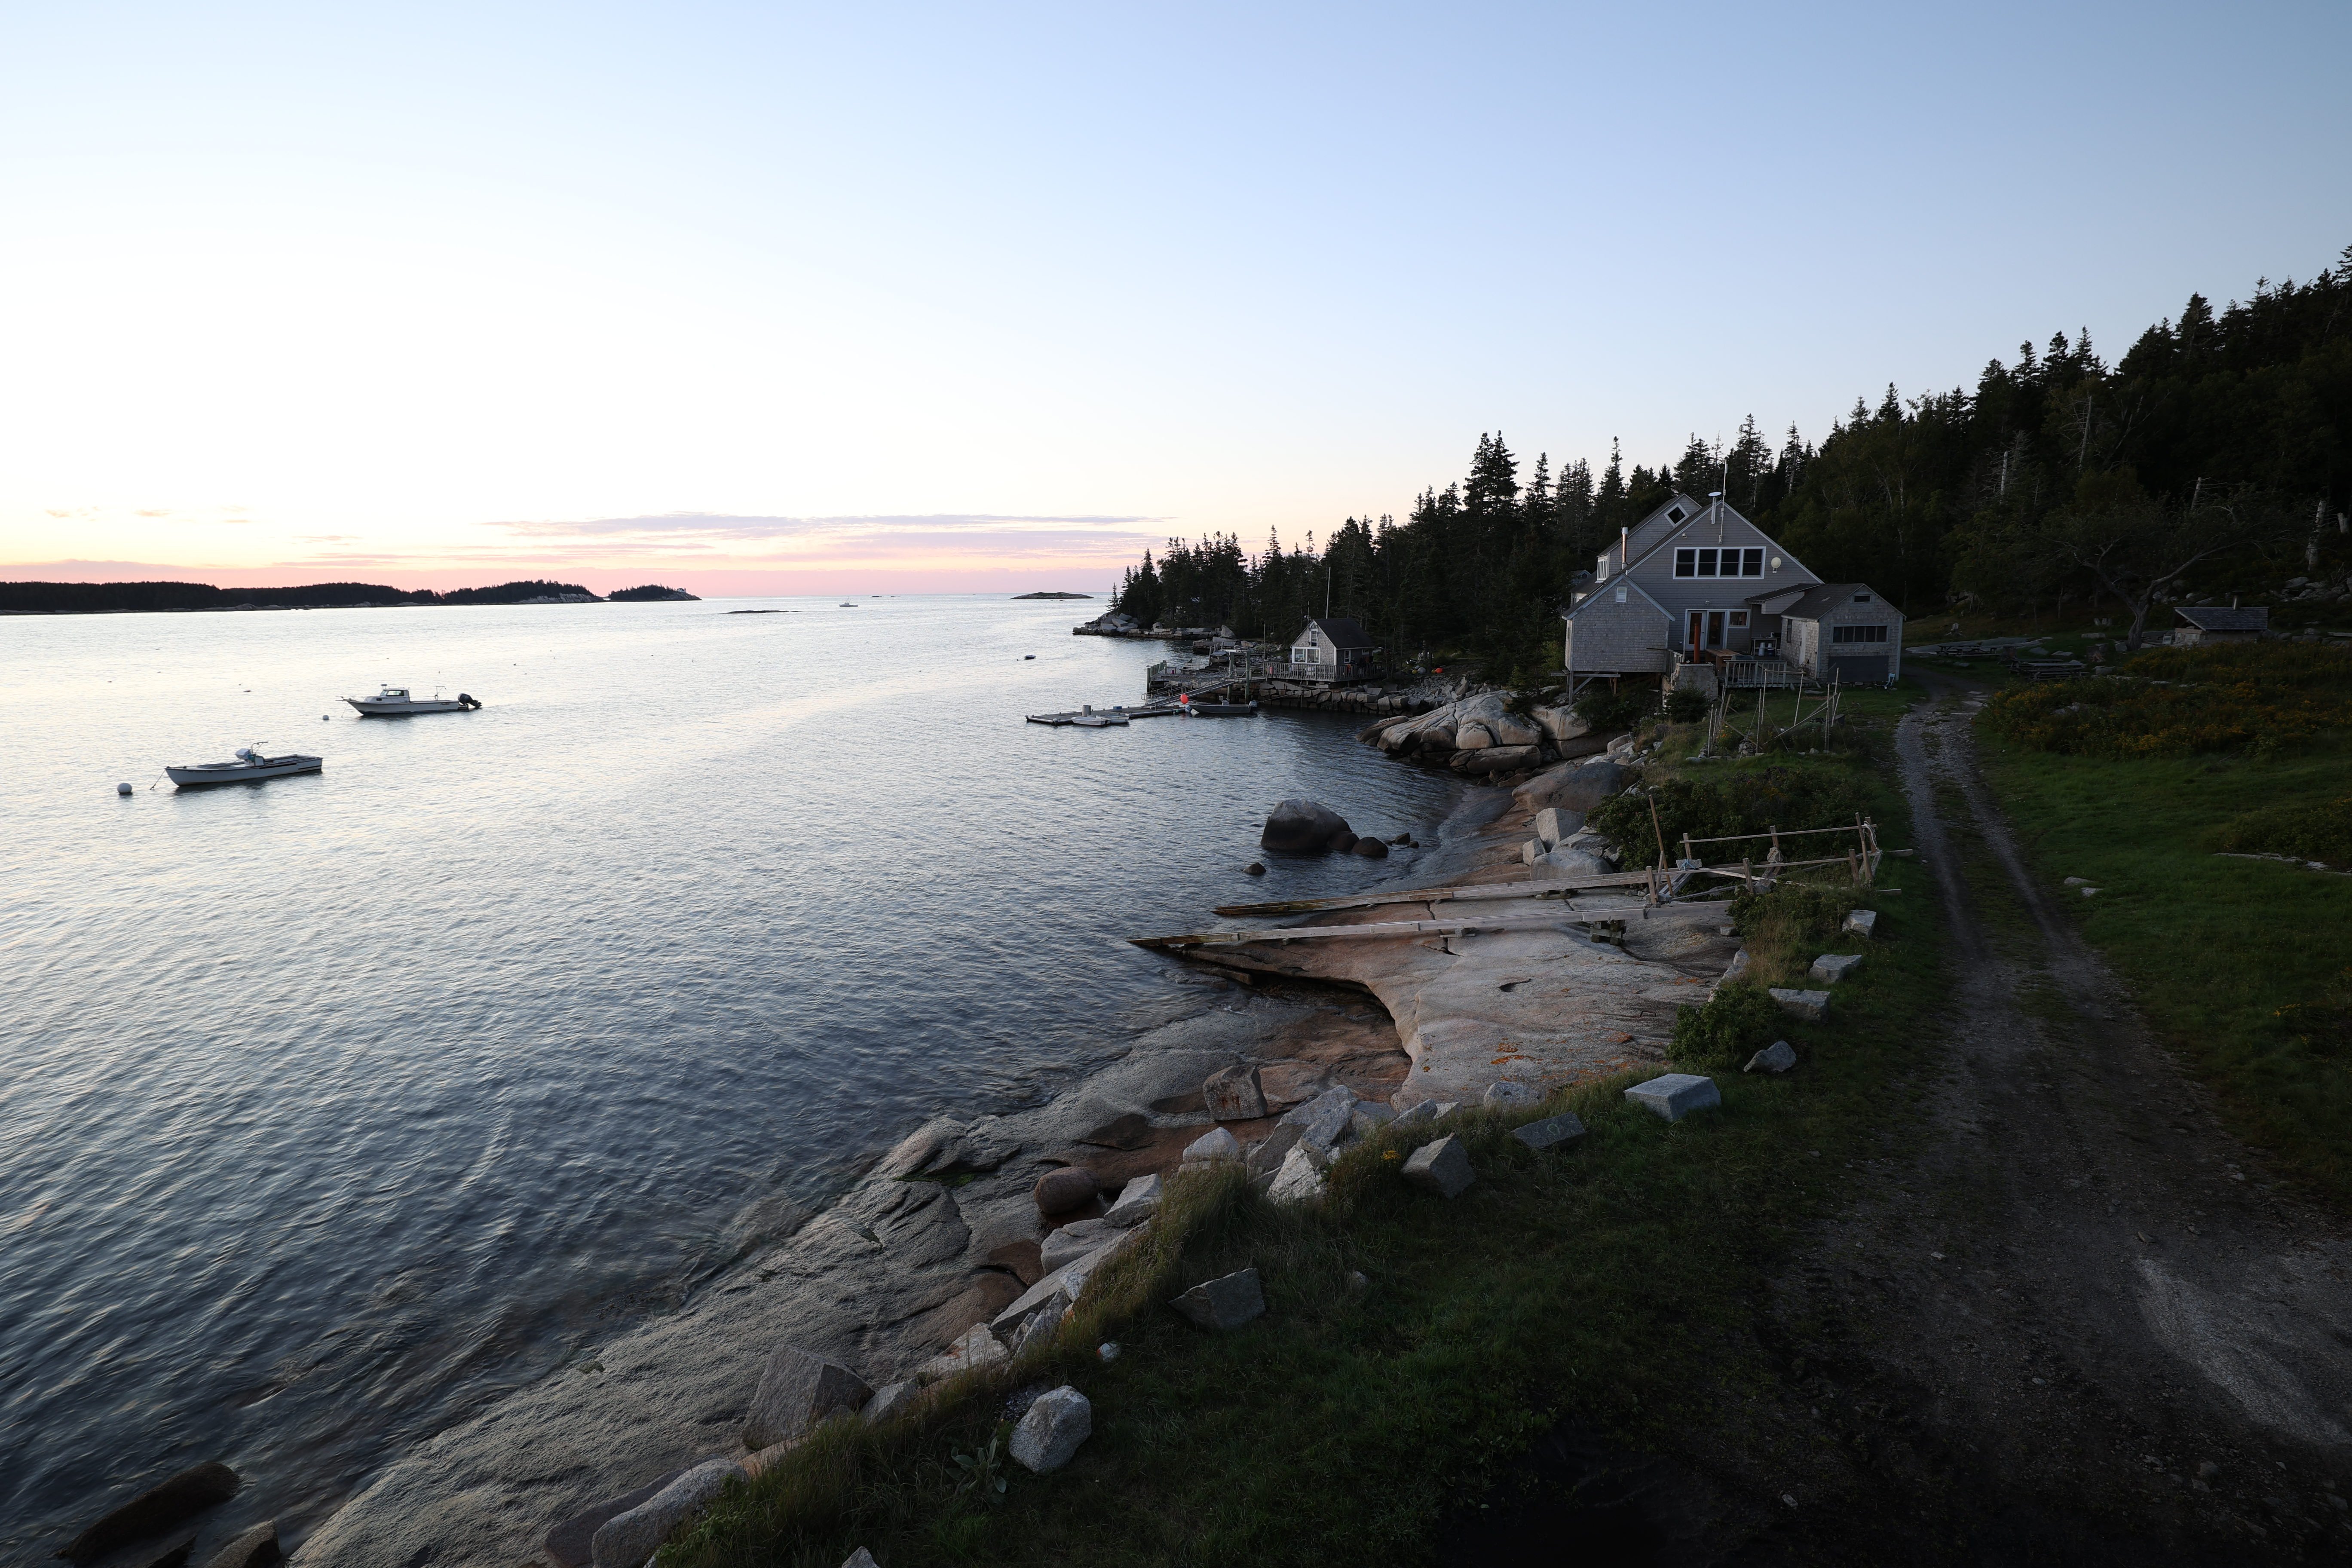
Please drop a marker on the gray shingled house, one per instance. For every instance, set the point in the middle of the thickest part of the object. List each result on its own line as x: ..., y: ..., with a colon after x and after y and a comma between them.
x: 1332, y: 648
x: 1837, y: 630
x: 1681, y: 583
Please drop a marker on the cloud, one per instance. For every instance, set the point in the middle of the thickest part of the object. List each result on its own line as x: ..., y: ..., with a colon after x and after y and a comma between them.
x: 724, y: 525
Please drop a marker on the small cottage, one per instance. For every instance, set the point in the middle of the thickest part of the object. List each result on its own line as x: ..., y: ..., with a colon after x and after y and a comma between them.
x: 1835, y: 630
x: 1333, y: 648
x: 2195, y: 625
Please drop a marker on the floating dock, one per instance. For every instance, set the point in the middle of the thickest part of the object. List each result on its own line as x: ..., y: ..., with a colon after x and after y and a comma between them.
x: 1100, y: 717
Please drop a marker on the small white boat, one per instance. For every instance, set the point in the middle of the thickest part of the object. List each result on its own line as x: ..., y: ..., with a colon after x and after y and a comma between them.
x: 249, y: 764
x: 396, y: 699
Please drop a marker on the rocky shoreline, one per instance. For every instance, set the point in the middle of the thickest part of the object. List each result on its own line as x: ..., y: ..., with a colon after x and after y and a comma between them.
x: 945, y: 1242
x: 942, y: 1233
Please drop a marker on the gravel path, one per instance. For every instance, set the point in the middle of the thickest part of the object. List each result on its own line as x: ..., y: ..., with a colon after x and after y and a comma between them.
x: 2075, y: 1319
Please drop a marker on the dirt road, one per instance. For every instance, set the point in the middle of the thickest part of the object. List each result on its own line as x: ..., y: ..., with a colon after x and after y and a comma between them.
x: 2073, y: 1320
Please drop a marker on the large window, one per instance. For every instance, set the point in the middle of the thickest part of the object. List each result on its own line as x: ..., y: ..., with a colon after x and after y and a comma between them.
x: 1725, y: 561
x: 1857, y: 634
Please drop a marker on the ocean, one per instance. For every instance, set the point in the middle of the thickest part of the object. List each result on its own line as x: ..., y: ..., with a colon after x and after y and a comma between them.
x: 333, y: 1106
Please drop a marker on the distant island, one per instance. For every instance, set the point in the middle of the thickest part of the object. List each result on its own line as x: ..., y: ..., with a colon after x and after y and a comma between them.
x: 651, y: 591
x: 1052, y: 596
x: 119, y: 598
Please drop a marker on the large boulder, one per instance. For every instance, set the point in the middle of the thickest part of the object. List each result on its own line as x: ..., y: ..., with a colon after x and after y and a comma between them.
x: 1475, y: 735
x: 1554, y: 825
x: 1051, y: 1430
x: 1676, y: 1095
x: 1509, y: 729
x: 1299, y: 1180
x: 1442, y: 1167
x: 1324, y: 1121
x: 1559, y: 723
x: 1137, y: 1202
x: 1574, y: 786
x: 255, y: 1548
x: 1078, y: 1238
x: 798, y: 1389
x: 1064, y: 1188
x: 1223, y: 1303
x: 1301, y: 827
x: 1371, y: 848
x: 627, y: 1540
x: 1235, y: 1094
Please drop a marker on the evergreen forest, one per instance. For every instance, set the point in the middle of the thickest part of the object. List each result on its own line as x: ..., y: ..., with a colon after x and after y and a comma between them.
x: 2218, y: 447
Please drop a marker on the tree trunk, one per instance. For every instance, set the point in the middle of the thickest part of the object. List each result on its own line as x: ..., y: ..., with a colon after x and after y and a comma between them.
x: 2139, y: 608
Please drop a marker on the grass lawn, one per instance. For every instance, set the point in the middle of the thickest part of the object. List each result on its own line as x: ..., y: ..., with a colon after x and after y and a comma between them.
x: 2242, y: 964
x: 1610, y: 1285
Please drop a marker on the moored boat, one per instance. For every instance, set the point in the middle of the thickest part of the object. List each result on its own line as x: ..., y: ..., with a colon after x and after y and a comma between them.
x: 394, y: 701
x: 249, y: 763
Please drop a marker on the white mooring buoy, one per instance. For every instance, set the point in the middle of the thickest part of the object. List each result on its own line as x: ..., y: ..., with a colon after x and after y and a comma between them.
x: 122, y: 789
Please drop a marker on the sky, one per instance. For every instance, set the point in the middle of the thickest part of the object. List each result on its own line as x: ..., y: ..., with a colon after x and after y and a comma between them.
x: 891, y: 298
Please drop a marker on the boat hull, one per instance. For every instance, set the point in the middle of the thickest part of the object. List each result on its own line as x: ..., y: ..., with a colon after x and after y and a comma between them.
x: 241, y: 773
x: 373, y: 709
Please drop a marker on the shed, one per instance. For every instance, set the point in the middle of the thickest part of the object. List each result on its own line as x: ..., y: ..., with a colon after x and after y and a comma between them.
x: 2196, y: 623
x: 1842, y: 631
x: 1333, y: 648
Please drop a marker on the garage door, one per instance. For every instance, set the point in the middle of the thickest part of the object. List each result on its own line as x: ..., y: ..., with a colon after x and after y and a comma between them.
x: 1857, y: 671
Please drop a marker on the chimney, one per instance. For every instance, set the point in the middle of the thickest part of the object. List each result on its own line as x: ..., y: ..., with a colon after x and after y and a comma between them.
x: 1621, y: 534
x: 2233, y: 601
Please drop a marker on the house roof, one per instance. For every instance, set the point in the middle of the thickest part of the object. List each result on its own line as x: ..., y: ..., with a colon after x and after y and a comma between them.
x: 1827, y: 596
x: 2216, y: 618
x: 1338, y: 631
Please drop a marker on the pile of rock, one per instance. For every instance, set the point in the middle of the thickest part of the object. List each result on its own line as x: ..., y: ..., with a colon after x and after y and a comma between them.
x: 1483, y: 735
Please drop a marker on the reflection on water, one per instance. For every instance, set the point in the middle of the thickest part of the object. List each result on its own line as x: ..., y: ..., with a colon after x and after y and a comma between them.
x: 334, y: 1106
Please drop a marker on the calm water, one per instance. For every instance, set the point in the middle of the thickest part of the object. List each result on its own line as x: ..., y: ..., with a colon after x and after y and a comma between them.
x: 333, y: 1107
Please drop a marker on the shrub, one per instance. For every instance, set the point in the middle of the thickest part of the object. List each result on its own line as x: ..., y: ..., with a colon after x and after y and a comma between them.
x: 2263, y: 697
x: 1733, y: 1025
x: 1743, y: 800
x: 2316, y: 830
x: 1609, y: 711
x: 1798, y: 910
x: 1686, y: 707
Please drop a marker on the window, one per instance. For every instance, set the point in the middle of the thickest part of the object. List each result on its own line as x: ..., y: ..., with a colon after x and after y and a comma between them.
x: 1857, y: 634
x: 1862, y: 598
x: 1315, y: 655
x: 1728, y: 561
x: 1738, y: 620
x: 1675, y: 514
x: 1621, y: 595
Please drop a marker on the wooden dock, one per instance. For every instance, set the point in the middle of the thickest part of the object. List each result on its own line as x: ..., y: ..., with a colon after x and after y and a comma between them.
x: 1091, y: 718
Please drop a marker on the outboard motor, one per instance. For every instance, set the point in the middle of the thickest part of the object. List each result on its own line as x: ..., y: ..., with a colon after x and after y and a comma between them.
x: 467, y: 700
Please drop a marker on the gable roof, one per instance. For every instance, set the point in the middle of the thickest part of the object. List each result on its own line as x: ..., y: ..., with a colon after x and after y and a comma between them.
x: 2215, y: 618
x: 1338, y: 631
x: 1651, y: 531
x: 1829, y: 596
x: 1602, y: 593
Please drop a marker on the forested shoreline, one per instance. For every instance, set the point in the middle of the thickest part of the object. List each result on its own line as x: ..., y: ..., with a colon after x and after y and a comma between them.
x: 117, y: 598
x: 2215, y: 450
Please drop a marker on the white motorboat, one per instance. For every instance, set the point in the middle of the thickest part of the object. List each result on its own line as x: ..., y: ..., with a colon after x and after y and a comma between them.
x: 249, y: 764
x: 397, y: 699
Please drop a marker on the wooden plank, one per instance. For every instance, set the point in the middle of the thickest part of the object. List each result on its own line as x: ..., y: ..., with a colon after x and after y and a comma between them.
x: 1467, y: 894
